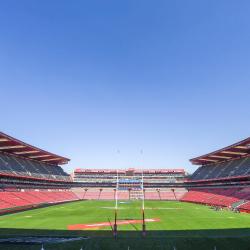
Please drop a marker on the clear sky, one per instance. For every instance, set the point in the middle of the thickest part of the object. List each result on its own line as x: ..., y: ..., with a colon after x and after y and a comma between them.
x: 85, y: 79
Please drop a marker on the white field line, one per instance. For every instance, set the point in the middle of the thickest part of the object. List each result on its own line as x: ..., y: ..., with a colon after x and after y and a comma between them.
x: 147, y: 208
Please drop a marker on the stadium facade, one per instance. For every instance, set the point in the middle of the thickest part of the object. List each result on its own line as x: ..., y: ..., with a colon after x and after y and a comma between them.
x: 32, y: 177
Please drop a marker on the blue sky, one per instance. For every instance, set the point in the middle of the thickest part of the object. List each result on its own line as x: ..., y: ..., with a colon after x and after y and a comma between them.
x: 86, y: 78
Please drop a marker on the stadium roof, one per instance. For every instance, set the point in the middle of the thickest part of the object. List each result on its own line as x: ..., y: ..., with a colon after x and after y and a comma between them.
x: 16, y: 147
x: 237, y: 150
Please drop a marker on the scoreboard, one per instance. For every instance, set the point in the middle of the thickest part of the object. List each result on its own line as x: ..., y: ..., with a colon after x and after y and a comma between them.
x: 131, y: 183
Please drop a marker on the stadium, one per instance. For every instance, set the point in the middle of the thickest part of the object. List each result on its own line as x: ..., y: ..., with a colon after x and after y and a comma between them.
x: 43, y: 207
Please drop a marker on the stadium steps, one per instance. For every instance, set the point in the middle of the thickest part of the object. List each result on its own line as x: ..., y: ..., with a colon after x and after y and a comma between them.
x: 238, y: 203
x: 25, y: 197
x: 40, y: 196
x: 80, y: 195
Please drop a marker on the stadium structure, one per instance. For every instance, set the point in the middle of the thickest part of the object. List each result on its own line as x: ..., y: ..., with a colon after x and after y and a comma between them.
x: 159, y: 184
x: 33, y: 179
x: 223, y: 178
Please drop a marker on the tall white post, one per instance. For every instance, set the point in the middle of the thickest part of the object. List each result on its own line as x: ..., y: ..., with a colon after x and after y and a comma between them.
x: 116, y: 192
x: 116, y: 204
x: 142, y: 186
x: 143, y: 207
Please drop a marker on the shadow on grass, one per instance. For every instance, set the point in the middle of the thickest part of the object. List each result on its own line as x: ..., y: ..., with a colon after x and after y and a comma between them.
x: 223, y: 239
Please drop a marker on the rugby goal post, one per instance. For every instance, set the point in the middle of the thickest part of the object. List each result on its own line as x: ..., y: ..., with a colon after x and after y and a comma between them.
x: 116, y: 205
x: 143, y: 206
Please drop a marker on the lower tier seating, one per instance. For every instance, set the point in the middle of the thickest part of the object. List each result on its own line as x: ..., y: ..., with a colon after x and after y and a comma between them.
x: 224, y: 197
x: 109, y: 194
x: 28, y: 198
x: 245, y: 207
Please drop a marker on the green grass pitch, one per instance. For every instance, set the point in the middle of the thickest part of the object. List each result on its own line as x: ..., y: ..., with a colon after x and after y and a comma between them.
x: 182, y: 225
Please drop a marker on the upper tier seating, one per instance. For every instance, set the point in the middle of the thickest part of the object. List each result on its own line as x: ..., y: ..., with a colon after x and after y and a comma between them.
x: 239, y: 167
x: 23, y: 167
x: 108, y: 177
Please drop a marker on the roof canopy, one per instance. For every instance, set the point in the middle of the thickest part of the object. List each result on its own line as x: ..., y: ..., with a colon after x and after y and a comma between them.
x: 16, y: 147
x: 237, y: 150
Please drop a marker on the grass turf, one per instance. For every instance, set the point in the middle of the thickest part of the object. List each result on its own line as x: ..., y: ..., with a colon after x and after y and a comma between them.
x: 183, y: 225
